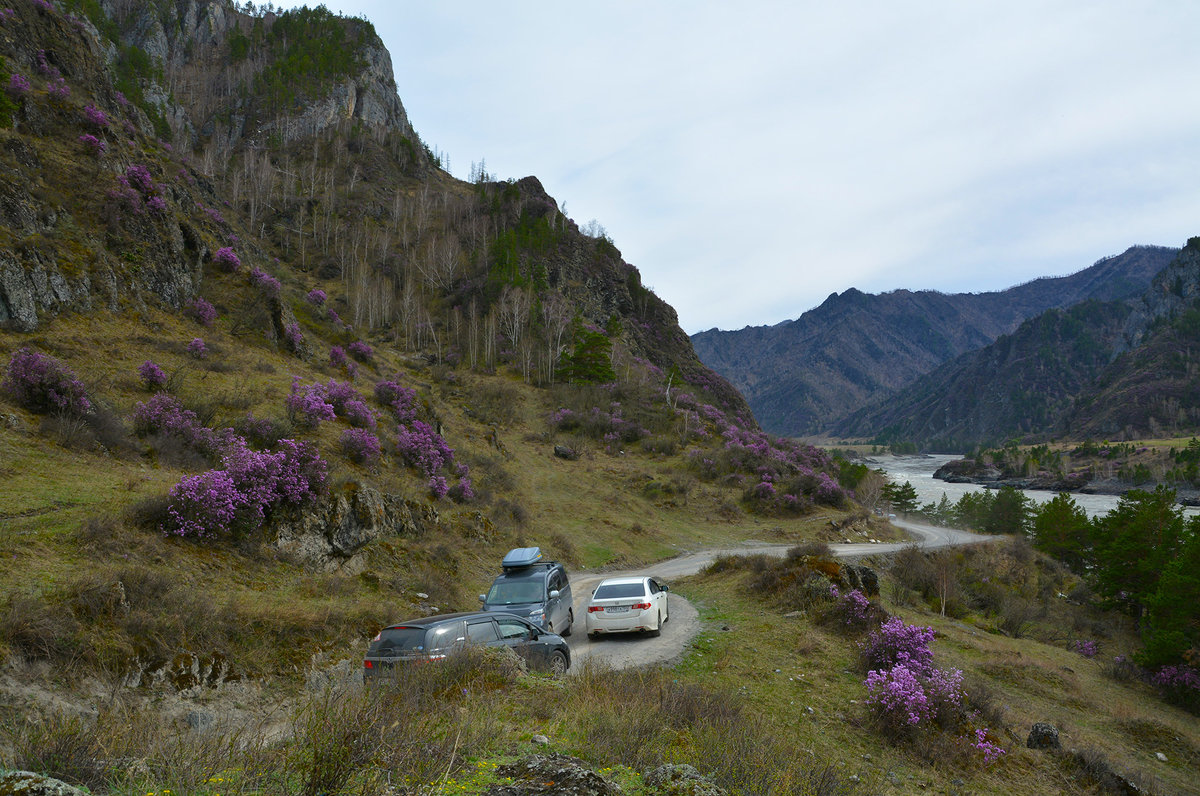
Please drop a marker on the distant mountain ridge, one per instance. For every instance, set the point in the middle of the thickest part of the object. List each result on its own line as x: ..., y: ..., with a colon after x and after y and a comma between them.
x: 1112, y: 370
x: 800, y: 376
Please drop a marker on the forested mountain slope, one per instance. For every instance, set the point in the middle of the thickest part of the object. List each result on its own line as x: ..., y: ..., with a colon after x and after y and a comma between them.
x: 801, y: 375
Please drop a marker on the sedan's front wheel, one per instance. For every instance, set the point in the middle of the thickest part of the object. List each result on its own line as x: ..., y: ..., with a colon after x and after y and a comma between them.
x: 558, y: 663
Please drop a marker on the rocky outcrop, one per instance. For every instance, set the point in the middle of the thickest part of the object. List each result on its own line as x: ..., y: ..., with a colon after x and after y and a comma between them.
x: 556, y: 774
x: 331, y: 537
x: 680, y: 780
x: 27, y: 783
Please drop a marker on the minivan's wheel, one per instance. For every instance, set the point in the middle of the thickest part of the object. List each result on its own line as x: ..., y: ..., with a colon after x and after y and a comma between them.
x: 657, y: 628
x: 570, y: 621
x: 558, y: 663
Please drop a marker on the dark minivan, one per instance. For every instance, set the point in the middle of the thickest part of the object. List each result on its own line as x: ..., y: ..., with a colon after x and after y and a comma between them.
x: 432, y: 638
x: 533, y: 588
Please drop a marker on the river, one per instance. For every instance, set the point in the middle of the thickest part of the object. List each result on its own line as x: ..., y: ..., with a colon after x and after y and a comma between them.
x: 918, y: 471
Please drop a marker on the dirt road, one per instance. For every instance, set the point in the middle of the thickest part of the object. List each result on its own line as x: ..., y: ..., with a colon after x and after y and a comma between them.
x: 632, y: 649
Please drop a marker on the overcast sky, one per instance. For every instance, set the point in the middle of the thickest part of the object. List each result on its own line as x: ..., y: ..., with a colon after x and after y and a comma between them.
x: 752, y: 158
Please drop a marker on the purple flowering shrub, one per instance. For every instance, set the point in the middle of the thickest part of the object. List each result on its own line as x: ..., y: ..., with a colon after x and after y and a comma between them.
x: 163, y: 415
x: 226, y: 259
x: 42, y: 384
x: 261, y: 432
x: 360, y: 446
x: 293, y: 336
x: 360, y: 351
x: 422, y: 448
x: 896, y: 643
x: 852, y: 610
x: 1180, y: 685
x: 307, y: 405
x: 93, y: 144
x: 152, y: 376
x: 240, y: 496
x: 18, y: 86
x: 337, y: 357
x: 316, y: 297
x: 267, y: 284
x: 1087, y: 649
x: 401, y: 400
x: 197, y: 349
x: 200, y: 311
x: 95, y: 117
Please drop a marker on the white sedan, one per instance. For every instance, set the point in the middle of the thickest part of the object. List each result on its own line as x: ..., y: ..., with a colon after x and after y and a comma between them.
x: 624, y: 605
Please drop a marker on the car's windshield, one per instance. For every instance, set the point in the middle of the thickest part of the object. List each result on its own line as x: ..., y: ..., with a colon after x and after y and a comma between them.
x: 512, y: 592
x: 608, y: 591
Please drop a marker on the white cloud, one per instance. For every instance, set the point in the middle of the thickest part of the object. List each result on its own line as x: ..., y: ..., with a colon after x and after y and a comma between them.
x: 751, y: 159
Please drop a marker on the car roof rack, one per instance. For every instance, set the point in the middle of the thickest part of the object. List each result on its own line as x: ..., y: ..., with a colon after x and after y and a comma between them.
x: 523, y: 558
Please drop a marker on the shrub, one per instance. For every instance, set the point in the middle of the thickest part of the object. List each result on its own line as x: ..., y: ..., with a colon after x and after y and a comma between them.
x: 898, y: 644
x: 95, y: 117
x: 18, y: 86
x: 360, y: 446
x: 360, y: 351
x: 852, y: 610
x: 41, y: 383
x: 239, y: 497
x: 163, y: 414
x: 401, y: 400
x: 261, y: 432
x: 307, y: 405
x: 58, y: 88
x: 269, y: 285
x: 196, y: 349
x: 902, y: 700
x: 293, y: 336
x: 152, y: 376
x: 1179, y: 685
x: 358, y: 414
x: 157, y: 205
x: 93, y: 144
x: 337, y: 357
x: 226, y: 259
x: 316, y: 297
x: 200, y: 311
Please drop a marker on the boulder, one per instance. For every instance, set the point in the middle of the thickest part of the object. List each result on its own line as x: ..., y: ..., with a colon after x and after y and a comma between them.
x: 1043, y: 736
x: 561, y: 775
x: 680, y: 780
x: 563, y: 452
x: 27, y: 783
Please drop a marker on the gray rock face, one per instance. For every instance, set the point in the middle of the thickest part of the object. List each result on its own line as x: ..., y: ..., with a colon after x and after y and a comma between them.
x: 331, y: 537
x: 1043, y: 736
x: 26, y: 783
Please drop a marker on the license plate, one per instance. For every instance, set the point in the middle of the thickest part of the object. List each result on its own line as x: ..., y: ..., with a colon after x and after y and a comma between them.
x: 617, y: 609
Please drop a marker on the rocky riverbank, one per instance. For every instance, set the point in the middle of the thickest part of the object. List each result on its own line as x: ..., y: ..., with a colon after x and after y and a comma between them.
x: 968, y: 471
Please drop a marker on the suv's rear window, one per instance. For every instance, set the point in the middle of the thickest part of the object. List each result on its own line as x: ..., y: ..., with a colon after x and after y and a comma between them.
x: 399, y: 639
x: 610, y: 591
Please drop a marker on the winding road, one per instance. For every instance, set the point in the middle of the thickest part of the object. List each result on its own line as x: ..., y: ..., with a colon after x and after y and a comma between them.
x: 633, y: 649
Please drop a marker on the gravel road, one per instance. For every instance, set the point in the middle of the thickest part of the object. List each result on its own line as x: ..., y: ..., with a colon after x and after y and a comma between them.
x: 632, y: 649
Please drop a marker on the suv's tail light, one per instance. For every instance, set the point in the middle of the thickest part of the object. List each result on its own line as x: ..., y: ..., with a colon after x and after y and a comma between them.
x: 367, y: 665
x: 640, y: 606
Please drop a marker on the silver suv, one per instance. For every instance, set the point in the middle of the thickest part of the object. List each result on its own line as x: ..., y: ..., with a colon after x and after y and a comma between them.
x: 533, y: 588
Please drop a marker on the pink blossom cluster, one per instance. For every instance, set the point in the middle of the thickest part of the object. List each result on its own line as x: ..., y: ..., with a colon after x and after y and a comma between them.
x: 93, y: 144
x: 95, y: 117
x: 18, y: 86
x: 269, y: 285
x: 425, y: 450
x: 197, y: 349
x: 360, y: 446
x: 401, y: 400
x: 242, y: 494
x: 153, y: 377
x: 293, y: 336
x: 316, y: 297
x: 164, y: 415
x: 307, y: 405
x: 898, y: 644
x: 360, y: 351
x: 226, y: 259
x: 201, y: 311
x: 40, y: 383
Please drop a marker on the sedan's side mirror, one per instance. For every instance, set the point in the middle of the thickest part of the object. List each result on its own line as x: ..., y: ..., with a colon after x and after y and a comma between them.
x: 483, y: 598
x: 664, y: 587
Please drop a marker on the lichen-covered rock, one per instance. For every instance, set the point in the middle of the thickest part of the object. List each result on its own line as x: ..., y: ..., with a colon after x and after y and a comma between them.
x: 1043, y: 736
x: 560, y: 775
x: 680, y: 780
x: 27, y: 783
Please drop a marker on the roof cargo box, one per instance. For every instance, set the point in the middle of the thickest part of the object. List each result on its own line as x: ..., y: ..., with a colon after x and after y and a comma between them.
x: 520, y: 557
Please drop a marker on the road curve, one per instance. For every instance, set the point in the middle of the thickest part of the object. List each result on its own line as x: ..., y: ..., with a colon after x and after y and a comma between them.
x: 632, y: 649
